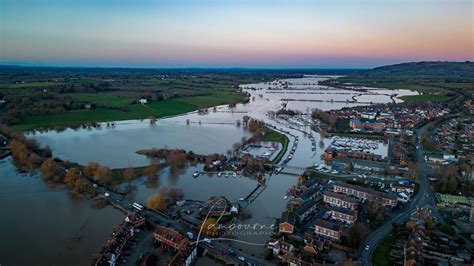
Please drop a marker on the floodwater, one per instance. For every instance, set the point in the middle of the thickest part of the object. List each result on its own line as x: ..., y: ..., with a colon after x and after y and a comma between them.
x: 74, y: 231
x: 116, y: 146
x: 46, y: 225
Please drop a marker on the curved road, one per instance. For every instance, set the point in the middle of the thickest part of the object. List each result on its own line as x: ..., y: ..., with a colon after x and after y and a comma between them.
x: 424, y: 198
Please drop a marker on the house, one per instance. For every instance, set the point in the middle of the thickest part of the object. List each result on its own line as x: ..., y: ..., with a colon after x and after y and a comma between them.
x: 403, y: 197
x: 303, y: 212
x: 357, y: 125
x: 281, y: 246
x: 287, y: 223
x: 345, y: 215
x: 339, y: 200
x: 365, y: 194
x: 135, y: 220
x: 361, y: 165
x: 186, y: 253
x: 143, y: 101
x: 216, y: 206
x: 399, y: 187
x: 369, y: 166
x: 169, y: 237
x: 368, y: 115
x: 327, y: 229
x: 115, y: 245
x: 309, y: 194
x: 185, y: 256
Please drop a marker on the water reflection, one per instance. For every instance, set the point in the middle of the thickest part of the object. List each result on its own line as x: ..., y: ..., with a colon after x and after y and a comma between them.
x: 46, y: 225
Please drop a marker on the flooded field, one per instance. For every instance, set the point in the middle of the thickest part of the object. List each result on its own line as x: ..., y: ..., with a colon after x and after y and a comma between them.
x: 116, y: 146
x: 79, y: 230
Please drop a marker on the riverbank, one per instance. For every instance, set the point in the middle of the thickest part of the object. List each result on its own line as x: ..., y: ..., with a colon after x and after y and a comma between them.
x: 275, y: 136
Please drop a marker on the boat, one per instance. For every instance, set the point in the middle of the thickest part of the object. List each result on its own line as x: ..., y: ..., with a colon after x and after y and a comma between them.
x: 196, y: 174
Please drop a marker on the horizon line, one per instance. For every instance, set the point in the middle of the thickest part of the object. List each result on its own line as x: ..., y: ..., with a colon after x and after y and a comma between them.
x: 183, y: 67
x: 216, y: 67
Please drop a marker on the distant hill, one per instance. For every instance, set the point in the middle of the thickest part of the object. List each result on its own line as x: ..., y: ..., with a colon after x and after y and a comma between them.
x: 444, y: 75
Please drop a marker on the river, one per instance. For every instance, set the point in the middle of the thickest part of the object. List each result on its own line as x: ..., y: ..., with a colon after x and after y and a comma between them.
x: 67, y: 231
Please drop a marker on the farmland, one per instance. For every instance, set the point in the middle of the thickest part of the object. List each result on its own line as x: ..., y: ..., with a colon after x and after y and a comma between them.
x: 49, y: 97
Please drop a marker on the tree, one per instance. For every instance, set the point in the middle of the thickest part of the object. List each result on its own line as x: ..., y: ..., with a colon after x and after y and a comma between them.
x: 414, y: 170
x: 376, y: 212
x: 157, y: 202
x: 152, y: 171
x: 128, y: 175
x: 71, y: 176
x: 357, y: 233
x: 429, y: 223
x: 300, y: 179
x: 90, y: 170
x: 176, y: 159
x: 34, y: 161
x: 210, y: 227
x: 452, y: 184
x: 80, y: 186
x: 47, y: 152
x: 50, y: 170
x: 19, y: 151
x: 175, y: 194
x: 104, y: 174
x: 448, y: 229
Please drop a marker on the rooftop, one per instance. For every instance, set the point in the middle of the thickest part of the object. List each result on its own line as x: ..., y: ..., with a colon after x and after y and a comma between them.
x: 328, y: 225
x: 341, y: 197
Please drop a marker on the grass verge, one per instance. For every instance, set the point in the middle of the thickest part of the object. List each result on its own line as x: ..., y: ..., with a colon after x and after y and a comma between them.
x: 381, y: 254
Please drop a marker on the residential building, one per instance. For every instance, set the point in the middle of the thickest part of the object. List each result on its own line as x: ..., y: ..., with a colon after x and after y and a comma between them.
x: 305, y: 210
x: 327, y: 229
x: 345, y: 215
x: 357, y: 125
x: 287, y: 223
x: 398, y: 187
x: 169, y: 237
x: 365, y: 194
x: 339, y: 200
x: 135, y: 220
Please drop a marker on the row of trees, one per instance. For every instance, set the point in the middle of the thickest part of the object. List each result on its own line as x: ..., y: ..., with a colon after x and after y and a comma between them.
x: 326, y: 117
x: 28, y: 156
x: 450, y: 180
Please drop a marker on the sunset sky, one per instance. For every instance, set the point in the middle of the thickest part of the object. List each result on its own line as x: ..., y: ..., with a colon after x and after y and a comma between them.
x: 237, y: 33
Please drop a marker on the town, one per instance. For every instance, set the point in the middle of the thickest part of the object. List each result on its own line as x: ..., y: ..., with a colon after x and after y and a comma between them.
x: 385, y: 174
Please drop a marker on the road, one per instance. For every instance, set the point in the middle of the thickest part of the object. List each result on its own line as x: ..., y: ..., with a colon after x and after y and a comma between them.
x: 157, y: 218
x: 424, y: 198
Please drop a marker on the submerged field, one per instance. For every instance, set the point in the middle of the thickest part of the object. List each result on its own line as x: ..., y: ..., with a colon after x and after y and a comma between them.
x: 37, y: 97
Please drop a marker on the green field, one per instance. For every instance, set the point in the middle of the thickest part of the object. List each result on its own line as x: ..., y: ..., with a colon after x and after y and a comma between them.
x: 134, y: 111
x: 424, y: 98
x: 277, y: 137
x: 28, y: 85
x: 110, y: 100
x: 382, y: 251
